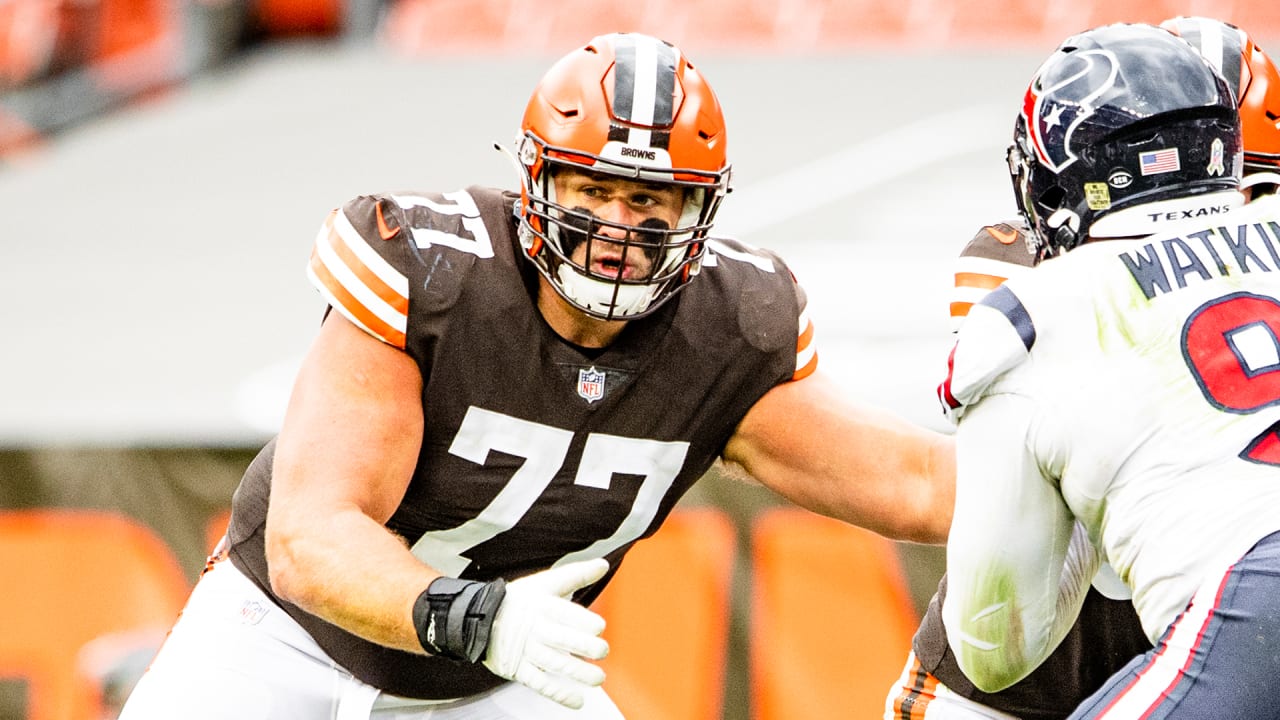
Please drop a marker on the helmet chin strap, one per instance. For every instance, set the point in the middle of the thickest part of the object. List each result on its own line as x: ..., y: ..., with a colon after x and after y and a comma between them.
x: 1066, y: 228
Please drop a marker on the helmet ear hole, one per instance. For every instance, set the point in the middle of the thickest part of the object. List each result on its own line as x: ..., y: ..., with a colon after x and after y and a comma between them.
x: 1050, y: 200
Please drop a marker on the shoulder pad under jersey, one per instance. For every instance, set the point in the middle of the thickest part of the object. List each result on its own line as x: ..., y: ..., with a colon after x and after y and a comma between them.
x: 995, y: 338
x: 995, y: 254
x: 758, y: 316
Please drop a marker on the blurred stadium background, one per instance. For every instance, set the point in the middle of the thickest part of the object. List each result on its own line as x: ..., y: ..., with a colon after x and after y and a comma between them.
x: 164, y: 165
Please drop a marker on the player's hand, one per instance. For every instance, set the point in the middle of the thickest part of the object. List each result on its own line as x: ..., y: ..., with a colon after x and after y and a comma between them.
x: 540, y: 637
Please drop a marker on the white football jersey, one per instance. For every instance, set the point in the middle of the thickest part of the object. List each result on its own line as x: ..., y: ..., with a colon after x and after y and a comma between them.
x: 1134, y: 386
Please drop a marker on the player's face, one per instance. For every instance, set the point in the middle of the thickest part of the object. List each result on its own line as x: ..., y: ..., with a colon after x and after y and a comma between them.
x: 623, y: 202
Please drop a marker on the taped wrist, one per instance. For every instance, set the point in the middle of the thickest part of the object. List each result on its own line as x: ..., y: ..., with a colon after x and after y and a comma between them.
x: 453, y: 617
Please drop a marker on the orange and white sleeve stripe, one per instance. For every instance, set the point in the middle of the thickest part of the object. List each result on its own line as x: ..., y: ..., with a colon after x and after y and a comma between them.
x: 358, y: 282
x: 806, y: 349
x: 975, y: 277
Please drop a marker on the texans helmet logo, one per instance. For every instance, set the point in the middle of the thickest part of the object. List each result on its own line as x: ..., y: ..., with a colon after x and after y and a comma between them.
x: 1053, y: 112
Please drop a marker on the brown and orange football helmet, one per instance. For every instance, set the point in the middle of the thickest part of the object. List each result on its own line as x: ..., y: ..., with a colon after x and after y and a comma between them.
x: 1251, y: 75
x: 633, y: 106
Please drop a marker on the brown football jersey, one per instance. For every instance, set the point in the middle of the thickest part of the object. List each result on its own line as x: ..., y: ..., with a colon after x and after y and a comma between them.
x: 534, y: 451
x: 995, y: 253
x: 1107, y: 633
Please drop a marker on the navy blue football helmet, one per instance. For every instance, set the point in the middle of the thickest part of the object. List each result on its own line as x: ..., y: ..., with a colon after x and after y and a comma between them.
x: 1123, y: 129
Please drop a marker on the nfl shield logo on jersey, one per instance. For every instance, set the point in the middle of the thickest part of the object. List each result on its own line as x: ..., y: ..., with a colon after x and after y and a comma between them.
x: 591, y: 384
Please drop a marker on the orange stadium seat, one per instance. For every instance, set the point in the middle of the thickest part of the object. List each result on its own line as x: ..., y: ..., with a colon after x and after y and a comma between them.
x: 436, y: 27
x: 667, y: 615
x: 299, y: 17
x: 69, y: 578
x: 831, y: 618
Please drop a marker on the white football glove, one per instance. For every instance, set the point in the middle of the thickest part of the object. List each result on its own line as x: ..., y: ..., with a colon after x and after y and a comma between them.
x: 540, y: 636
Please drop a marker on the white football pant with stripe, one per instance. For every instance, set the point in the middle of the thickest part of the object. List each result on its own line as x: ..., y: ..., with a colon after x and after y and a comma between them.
x: 234, y: 655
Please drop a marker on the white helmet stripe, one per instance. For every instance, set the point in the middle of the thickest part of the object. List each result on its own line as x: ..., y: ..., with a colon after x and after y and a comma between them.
x: 644, y: 89
x: 1209, y: 42
x: 1221, y: 44
x: 642, y: 102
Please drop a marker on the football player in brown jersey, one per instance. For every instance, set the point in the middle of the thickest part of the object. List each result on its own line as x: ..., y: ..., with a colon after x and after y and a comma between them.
x: 508, y: 392
x: 1107, y: 633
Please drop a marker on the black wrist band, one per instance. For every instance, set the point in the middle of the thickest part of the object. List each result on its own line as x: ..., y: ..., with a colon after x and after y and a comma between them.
x: 453, y: 617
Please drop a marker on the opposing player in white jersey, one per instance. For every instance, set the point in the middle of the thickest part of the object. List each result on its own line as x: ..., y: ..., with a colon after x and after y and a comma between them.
x: 1107, y: 633
x: 1121, y: 402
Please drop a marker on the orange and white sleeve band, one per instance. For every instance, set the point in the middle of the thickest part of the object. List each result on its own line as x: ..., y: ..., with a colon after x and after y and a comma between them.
x: 975, y: 277
x: 806, y: 349
x: 358, y: 282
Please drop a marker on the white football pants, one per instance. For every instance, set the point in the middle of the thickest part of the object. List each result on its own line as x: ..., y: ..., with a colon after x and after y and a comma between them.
x: 909, y: 697
x: 234, y: 655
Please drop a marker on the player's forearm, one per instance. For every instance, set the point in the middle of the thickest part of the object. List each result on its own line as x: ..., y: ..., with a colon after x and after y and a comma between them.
x: 927, y: 498
x: 855, y: 463
x: 906, y: 492
x: 350, y: 571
